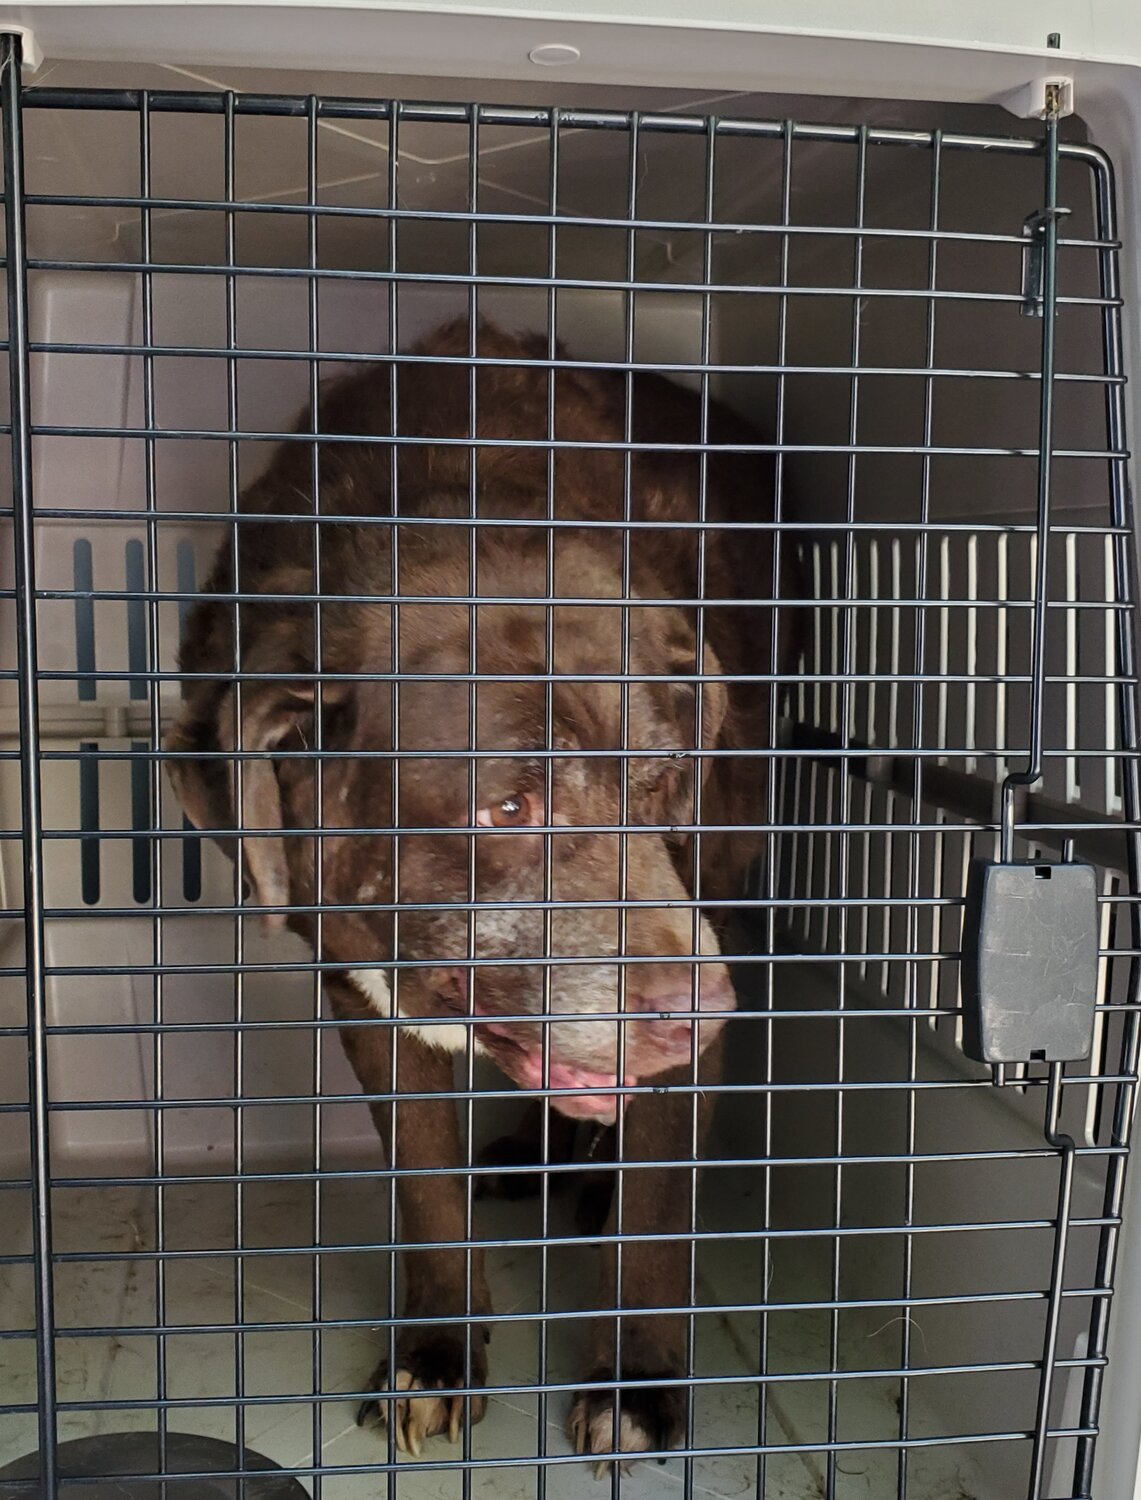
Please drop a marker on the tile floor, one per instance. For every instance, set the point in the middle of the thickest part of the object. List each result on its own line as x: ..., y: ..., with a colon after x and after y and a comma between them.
x: 279, y: 1366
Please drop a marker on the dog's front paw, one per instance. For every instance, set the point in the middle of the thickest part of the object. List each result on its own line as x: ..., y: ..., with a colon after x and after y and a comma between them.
x: 650, y: 1419
x: 426, y: 1362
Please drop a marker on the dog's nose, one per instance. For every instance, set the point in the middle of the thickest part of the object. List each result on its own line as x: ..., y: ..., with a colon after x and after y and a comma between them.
x: 667, y: 995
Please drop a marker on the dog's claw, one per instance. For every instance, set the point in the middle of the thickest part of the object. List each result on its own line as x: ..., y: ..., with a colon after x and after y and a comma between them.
x: 625, y: 1468
x: 591, y: 1429
x: 415, y: 1417
x: 418, y: 1415
x: 576, y: 1428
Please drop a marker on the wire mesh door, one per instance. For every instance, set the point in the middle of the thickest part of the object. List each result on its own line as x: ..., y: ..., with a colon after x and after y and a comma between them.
x: 545, y: 726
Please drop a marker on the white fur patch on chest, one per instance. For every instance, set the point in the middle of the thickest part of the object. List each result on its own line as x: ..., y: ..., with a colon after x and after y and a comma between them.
x: 448, y: 1036
x: 374, y: 986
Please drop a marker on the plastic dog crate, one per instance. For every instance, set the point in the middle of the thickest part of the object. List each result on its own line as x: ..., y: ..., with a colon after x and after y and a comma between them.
x: 903, y: 1262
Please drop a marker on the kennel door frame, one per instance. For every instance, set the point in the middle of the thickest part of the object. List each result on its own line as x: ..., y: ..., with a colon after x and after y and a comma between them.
x: 18, y: 351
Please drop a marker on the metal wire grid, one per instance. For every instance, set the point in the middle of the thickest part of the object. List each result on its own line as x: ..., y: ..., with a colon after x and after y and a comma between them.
x: 871, y: 816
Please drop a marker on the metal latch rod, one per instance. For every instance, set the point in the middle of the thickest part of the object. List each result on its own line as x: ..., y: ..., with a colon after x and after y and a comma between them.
x: 1047, y: 232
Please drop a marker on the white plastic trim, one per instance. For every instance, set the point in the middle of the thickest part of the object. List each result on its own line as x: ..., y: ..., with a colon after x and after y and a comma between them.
x: 1029, y: 103
x: 973, y: 52
x: 33, y: 54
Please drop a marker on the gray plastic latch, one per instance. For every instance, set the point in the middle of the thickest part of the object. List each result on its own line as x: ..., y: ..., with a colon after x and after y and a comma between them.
x: 1029, y: 962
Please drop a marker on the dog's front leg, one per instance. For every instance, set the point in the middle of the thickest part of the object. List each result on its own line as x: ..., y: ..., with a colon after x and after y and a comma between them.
x: 655, y: 1200
x: 421, y: 1140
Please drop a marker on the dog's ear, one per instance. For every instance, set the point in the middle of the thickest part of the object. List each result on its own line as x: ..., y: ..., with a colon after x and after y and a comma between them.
x: 272, y: 718
x: 201, y: 786
x: 664, y: 716
x: 664, y: 713
x: 238, y: 788
x: 714, y: 703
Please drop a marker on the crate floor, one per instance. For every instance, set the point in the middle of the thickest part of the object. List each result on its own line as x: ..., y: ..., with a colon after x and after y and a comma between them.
x: 278, y: 1365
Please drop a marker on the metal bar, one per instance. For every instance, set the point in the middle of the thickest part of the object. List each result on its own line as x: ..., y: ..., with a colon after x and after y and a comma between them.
x: 468, y: 1126
x: 917, y: 792
x: 569, y: 219
x: 393, y: 248
x: 429, y: 1465
x: 366, y: 1174
x: 582, y: 601
x: 23, y: 527
x: 179, y: 1028
x: 1066, y: 1146
x: 570, y: 283
x: 843, y: 708
x: 799, y: 528
x: 233, y: 552
x: 557, y: 361
x: 1049, y: 308
x: 884, y: 955
x: 1089, y: 820
x: 708, y: 1382
x: 758, y: 1236
x: 1125, y: 583
x: 712, y: 1310
x: 629, y: 1092
x: 546, y: 999
x: 773, y: 801
x: 154, y: 727
x: 316, y: 1290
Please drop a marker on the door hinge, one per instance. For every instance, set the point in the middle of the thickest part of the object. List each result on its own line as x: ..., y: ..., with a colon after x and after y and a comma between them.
x: 1036, y: 229
x: 1042, y: 98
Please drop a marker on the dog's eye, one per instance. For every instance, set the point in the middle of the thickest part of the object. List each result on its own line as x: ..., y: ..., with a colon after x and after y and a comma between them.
x: 517, y: 811
x: 512, y: 811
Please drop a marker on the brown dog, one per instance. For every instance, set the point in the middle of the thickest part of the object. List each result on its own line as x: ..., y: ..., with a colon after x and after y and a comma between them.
x: 472, y: 835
